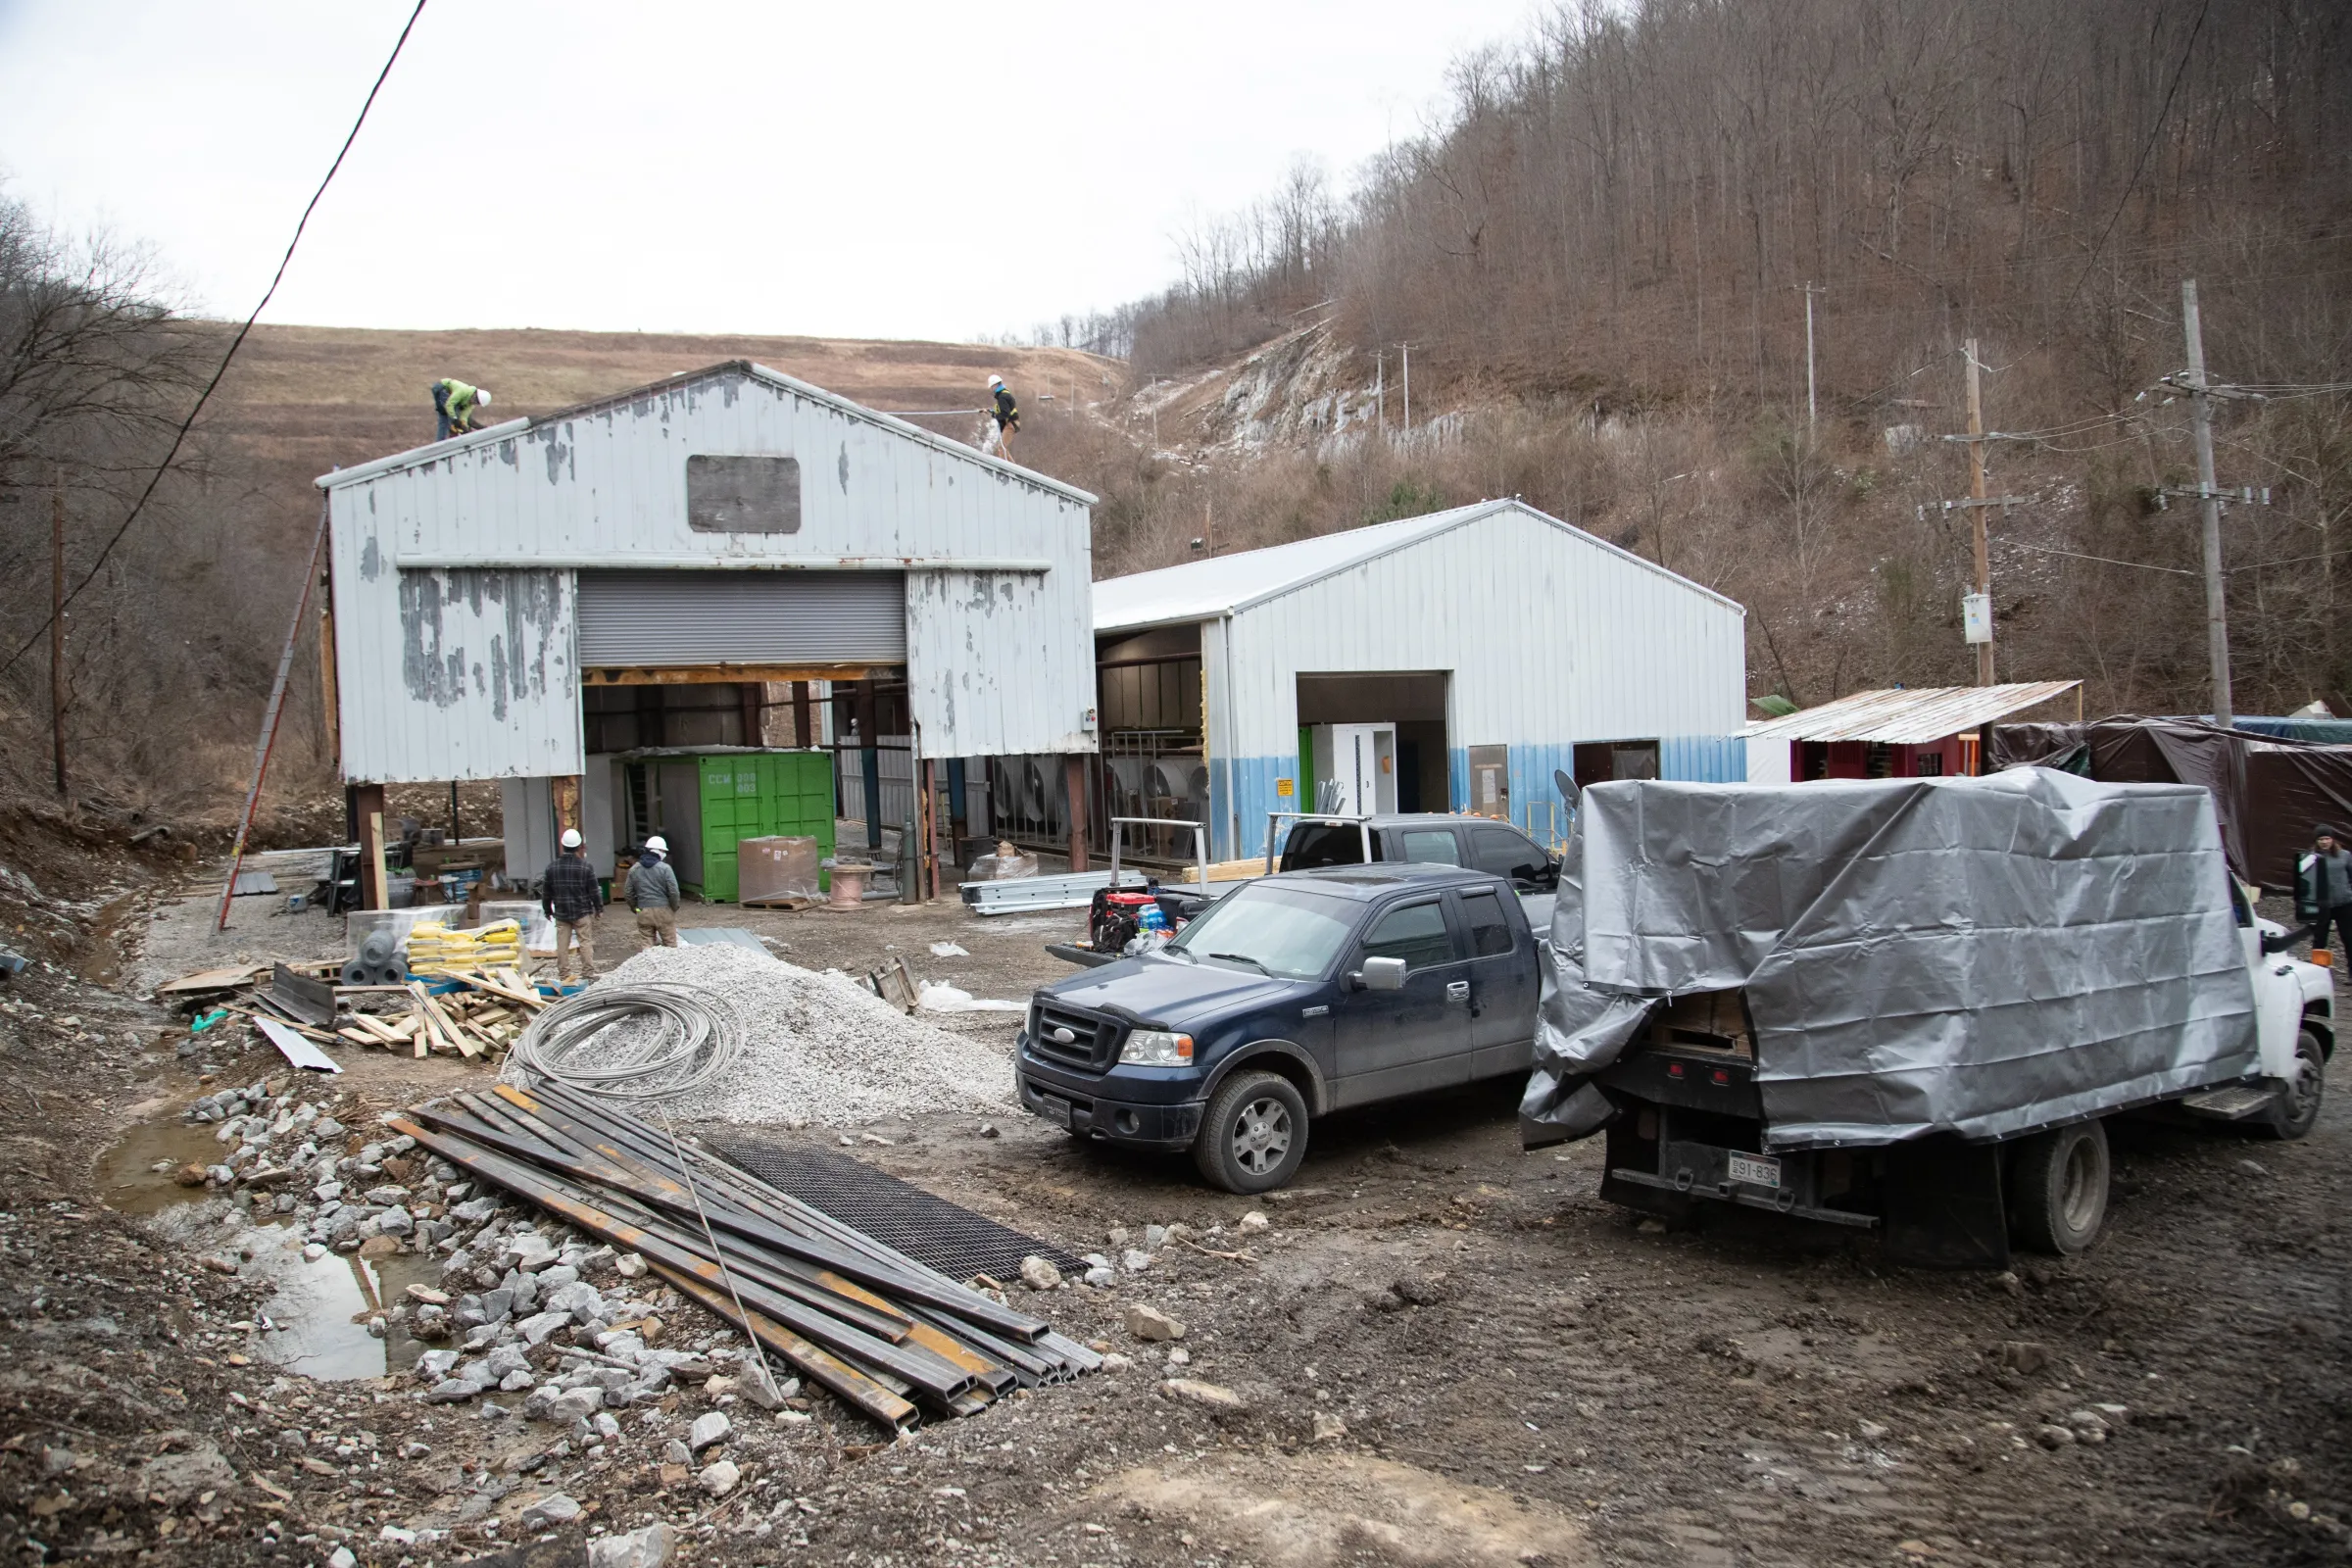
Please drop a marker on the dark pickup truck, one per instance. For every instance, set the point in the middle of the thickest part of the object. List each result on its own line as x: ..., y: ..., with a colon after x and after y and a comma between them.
x: 1426, y: 838
x: 1289, y: 998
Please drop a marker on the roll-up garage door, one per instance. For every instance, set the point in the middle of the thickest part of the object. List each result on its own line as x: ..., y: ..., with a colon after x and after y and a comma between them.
x: 742, y: 618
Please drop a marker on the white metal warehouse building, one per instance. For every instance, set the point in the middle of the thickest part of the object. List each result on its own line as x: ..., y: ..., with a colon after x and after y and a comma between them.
x: 729, y: 523
x: 1497, y: 642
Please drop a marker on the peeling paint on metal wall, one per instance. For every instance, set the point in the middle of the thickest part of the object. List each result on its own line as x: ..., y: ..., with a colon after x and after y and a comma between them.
x: 996, y: 663
x: 449, y: 674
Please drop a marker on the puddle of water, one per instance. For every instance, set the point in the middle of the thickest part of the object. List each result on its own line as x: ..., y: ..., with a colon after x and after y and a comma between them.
x: 128, y: 1184
x: 319, y: 1314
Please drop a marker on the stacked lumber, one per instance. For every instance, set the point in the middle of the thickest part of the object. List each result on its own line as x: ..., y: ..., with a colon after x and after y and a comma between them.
x: 434, y: 949
x: 889, y: 1336
x: 479, y: 1018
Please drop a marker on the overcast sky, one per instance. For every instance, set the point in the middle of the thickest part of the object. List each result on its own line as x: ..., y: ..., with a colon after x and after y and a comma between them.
x: 910, y: 170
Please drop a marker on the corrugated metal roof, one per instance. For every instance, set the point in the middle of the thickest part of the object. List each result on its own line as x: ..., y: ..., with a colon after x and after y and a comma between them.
x: 1200, y: 590
x: 1916, y: 716
x: 436, y: 451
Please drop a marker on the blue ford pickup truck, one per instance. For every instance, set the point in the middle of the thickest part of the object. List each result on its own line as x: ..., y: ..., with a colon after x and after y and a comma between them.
x: 1294, y: 996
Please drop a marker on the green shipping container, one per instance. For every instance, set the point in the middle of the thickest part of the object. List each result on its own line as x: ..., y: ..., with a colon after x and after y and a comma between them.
x: 756, y: 795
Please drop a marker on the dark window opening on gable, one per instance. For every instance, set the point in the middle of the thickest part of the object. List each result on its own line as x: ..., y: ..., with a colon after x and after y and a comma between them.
x: 743, y: 495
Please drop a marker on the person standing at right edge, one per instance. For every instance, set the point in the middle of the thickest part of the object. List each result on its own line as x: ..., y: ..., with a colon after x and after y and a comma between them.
x: 2323, y: 892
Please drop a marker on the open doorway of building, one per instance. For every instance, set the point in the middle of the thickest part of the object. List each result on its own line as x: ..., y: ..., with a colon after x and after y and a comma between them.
x: 1412, y: 701
x: 1600, y: 761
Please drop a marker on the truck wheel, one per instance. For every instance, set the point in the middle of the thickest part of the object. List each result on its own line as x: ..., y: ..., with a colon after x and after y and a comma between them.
x: 2058, y: 1188
x: 1253, y: 1135
x: 2297, y: 1106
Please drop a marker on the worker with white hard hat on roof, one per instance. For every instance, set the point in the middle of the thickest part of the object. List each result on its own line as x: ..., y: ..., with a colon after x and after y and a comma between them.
x: 1003, y: 416
x: 455, y: 403
x: 653, y: 895
x: 569, y: 895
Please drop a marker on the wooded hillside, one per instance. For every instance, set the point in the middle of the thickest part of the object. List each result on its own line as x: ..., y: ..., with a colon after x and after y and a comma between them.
x: 1600, y: 259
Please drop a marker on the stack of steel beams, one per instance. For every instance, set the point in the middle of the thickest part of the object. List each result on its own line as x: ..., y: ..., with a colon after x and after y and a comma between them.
x: 886, y: 1334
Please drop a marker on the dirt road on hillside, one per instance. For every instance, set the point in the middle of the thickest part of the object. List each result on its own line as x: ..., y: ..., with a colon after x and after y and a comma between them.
x: 1445, y: 1350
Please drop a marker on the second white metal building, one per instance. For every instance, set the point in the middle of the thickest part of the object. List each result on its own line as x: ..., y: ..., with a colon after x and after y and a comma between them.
x: 1483, y: 648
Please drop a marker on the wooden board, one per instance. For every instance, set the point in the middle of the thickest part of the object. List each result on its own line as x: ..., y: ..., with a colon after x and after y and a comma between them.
x: 211, y: 980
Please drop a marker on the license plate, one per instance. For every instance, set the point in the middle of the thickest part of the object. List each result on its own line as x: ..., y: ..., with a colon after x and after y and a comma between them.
x: 1060, y: 1111
x: 1756, y: 1170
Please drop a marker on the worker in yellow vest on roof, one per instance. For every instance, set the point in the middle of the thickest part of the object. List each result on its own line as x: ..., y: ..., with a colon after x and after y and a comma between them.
x: 455, y: 403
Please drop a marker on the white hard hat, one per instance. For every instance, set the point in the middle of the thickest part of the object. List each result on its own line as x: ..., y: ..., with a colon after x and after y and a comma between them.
x: 658, y: 844
x: 482, y: 395
x: 994, y: 380
x: 572, y: 838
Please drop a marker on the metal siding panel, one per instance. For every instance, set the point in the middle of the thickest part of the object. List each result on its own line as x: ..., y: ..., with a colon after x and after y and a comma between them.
x: 448, y: 675
x: 745, y: 617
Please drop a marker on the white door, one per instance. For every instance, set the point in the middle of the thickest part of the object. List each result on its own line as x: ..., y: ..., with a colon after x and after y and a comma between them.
x: 1364, y: 766
x: 2277, y: 993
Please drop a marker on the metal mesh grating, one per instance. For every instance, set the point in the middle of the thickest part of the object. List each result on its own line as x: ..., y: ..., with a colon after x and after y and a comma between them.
x: 953, y: 1240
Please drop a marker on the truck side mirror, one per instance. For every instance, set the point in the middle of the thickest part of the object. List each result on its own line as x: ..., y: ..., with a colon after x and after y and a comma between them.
x: 1380, y: 974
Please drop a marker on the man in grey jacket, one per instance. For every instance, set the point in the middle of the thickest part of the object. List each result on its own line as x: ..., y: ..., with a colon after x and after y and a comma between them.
x: 653, y: 895
x: 2324, y: 891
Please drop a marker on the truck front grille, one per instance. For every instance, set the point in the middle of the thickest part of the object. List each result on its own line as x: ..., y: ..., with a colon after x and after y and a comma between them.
x: 1090, y: 1043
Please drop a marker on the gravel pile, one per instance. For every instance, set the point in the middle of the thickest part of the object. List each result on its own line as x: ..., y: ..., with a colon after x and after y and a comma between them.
x: 819, y: 1047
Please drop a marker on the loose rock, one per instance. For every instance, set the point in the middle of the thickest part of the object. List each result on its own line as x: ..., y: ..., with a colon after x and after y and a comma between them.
x: 2025, y: 1357
x: 1213, y: 1396
x: 1149, y: 1323
x: 1040, y: 1275
x: 650, y: 1547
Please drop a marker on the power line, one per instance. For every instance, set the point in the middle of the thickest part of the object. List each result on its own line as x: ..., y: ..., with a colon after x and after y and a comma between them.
x: 2104, y: 561
x: 181, y: 435
x: 2164, y: 112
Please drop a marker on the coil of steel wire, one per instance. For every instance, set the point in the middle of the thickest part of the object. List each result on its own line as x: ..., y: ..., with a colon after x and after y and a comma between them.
x: 632, y: 1042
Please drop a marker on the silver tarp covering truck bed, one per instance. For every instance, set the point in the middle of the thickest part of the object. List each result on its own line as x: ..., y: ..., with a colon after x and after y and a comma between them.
x: 1975, y: 956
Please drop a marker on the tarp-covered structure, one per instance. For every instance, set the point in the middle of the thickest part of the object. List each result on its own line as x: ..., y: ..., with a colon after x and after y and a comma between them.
x: 2274, y: 794
x: 1973, y: 956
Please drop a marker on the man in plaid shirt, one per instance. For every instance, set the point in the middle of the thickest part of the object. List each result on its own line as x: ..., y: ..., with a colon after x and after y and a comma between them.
x: 568, y: 892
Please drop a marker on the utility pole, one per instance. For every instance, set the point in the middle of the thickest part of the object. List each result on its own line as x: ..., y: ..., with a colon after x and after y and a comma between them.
x: 1380, y: 388
x: 1406, y: 348
x: 1976, y: 496
x: 57, y: 626
x: 2216, y: 608
x: 1811, y: 417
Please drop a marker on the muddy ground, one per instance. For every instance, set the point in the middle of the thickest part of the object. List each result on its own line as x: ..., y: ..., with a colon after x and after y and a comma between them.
x: 1506, y: 1369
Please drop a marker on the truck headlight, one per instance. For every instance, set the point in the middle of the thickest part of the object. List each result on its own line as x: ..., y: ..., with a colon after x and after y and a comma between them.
x: 1156, y: 1048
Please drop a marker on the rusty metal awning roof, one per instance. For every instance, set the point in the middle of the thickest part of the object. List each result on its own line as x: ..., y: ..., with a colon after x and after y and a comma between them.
x: 1917, y: 717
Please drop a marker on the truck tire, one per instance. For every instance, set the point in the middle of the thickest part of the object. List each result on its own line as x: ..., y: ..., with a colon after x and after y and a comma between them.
x: 2058, y: 1188
x: 2297, y: 1108
x: 1253, y: 1134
